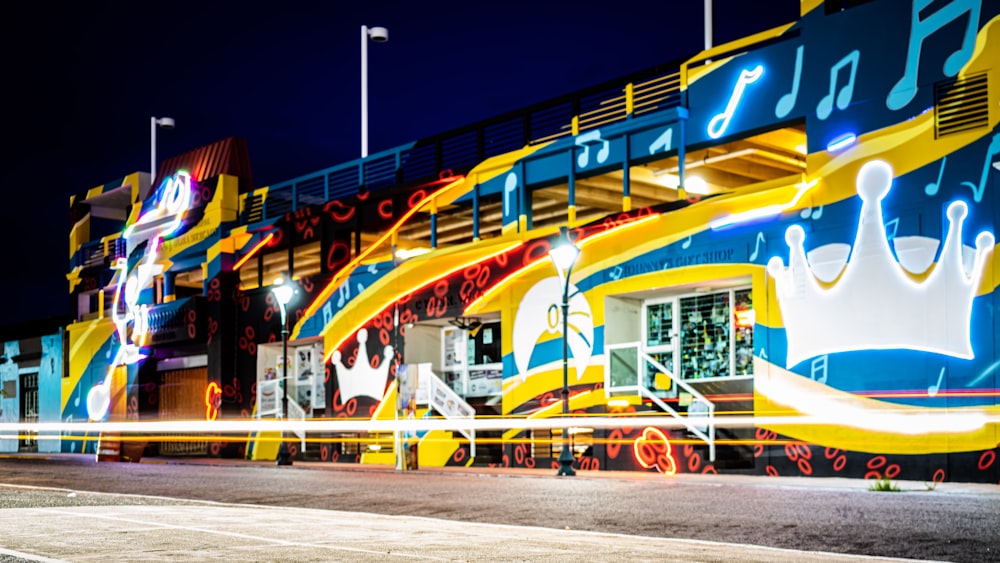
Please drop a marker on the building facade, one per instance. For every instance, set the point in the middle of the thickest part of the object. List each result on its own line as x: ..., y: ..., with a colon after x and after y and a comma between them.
x: 786, y: 245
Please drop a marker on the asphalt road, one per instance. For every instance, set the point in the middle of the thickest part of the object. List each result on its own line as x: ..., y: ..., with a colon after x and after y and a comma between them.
x: 838, y: 516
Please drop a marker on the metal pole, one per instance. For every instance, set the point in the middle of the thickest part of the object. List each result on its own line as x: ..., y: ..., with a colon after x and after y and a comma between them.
x: 565, y: 457
x: 152, y: 152
x: 284, y: 456
x: 364, y: 91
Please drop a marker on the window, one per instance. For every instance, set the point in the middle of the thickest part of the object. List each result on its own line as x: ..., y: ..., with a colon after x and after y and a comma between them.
x: 707, y: 334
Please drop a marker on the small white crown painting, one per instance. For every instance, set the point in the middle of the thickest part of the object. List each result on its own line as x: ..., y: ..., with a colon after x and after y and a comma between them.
x: 879, y: 300
x: 361, y: 378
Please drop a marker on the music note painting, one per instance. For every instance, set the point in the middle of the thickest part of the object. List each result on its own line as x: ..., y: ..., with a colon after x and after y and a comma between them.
x: 843, y: 97
x: 920, y: 29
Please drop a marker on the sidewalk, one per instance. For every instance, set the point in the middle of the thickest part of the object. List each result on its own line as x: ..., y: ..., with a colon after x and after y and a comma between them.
x: 828, y: 483
x: 832, y: 483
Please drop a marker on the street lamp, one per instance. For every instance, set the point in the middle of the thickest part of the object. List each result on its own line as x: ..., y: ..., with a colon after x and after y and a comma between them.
x: 283, y: 295
x: 564, y: 255
x: 166, y: 123
x: 378, y: 35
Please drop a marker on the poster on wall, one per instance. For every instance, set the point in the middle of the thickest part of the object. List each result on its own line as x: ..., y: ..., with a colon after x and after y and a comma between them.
x: 484, y: 382
x: 319, y: 375
x: 268, y: 381
x: 304, y: 358
x: 268, y: 398
x: 407, y: 381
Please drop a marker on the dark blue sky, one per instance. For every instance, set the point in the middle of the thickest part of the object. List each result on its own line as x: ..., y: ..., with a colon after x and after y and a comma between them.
x: 82, y: 80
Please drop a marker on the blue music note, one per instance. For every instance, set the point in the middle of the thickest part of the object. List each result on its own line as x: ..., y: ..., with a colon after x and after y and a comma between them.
x: 585, y: 140
x: 904, y: 90
x: 993, y: 150
x: 787, y: 102
x: 825, y: 107
x: 756, y: 247
x: 687, y: 244
x: 890, y: 229
x: 344, y: 294
x: 819, y: 366
x: 717, y: 126
x: 616, y: 273
x: 664, y: 141
x: 814, y: 213
x: 932, y: 188
x: 509, y: 186
x: 932, y: 391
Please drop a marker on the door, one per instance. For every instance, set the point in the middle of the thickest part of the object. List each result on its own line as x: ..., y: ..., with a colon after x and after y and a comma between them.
x: 182, y: 397
x: 29, y: 411
x: 660, y: 339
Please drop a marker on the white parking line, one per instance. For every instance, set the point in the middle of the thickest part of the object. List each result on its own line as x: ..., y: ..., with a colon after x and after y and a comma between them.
x: 30, y: 556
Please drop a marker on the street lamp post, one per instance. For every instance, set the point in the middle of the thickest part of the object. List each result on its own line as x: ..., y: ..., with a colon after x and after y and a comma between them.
x: 283, y: 295
x: 378, y: 35
x: 563, y: 256
x: 166, y: 123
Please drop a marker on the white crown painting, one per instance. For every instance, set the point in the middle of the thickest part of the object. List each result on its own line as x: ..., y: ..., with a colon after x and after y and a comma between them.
x: 361, y: 378
x: 874, y: 301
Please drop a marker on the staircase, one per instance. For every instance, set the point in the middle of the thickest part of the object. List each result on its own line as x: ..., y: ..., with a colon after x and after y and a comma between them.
x: 623, y: 374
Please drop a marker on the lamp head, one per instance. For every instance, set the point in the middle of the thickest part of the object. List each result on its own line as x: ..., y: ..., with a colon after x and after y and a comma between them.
x: 283, y: 293
x: 378, y: 34
x: 564, y: 254
x: 165, y: 122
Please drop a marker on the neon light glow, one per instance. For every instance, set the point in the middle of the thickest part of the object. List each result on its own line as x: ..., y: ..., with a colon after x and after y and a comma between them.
x: 955, y: 421
x: 253, y: 251
x: 337, y: 279
x: 875, y: 304
x: 132, y: 327
x: 213, y: 400
x: 841, y: 142
x: 652, y: 449
x: 904, y: 421
x: 717, y: 126
x: 545, y: 260
x: 421, y: 286
x: 762, y: 212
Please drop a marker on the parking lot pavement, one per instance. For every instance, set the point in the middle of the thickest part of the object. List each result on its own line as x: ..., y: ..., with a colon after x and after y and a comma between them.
x: 100, y: 528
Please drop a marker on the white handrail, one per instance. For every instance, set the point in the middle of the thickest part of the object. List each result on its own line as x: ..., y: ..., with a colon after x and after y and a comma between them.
x: 707, y: 435
x: 295, y: 411
x: 446, y: 402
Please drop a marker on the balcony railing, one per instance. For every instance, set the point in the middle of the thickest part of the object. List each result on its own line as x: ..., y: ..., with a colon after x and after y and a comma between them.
x: 459, y: 150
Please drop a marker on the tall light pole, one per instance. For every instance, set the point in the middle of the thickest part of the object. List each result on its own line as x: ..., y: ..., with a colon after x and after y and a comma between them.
x: 378, y: 35
x: 283, y: 295
x: 166, y: 123
x: 563, y: 256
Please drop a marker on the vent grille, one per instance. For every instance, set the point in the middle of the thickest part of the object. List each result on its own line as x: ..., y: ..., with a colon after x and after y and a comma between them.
x: 961, y: 105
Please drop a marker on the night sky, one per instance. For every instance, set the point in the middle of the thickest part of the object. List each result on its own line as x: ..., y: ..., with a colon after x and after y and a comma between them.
x: 82, y: 80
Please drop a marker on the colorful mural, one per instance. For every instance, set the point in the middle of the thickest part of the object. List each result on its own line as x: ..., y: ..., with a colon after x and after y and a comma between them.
x: 786, y: 247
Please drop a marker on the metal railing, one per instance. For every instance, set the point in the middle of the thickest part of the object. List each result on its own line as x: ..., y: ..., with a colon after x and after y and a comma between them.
x: 448, y: 404
x: 461, y: 149
x: 623, y: 373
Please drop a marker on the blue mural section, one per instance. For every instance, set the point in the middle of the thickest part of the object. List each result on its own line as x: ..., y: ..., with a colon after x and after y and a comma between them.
x: 76, y: 405
x: 360, y: 279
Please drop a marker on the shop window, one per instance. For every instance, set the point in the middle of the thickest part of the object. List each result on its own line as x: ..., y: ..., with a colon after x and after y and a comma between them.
x: 698, y: 336
x: 472, y: 360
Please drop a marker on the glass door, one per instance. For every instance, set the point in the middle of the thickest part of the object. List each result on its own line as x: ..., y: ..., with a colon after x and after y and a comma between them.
x: 660, y: 343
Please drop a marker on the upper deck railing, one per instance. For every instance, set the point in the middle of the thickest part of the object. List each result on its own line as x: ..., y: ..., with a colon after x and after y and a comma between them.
x: 461, y: 149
